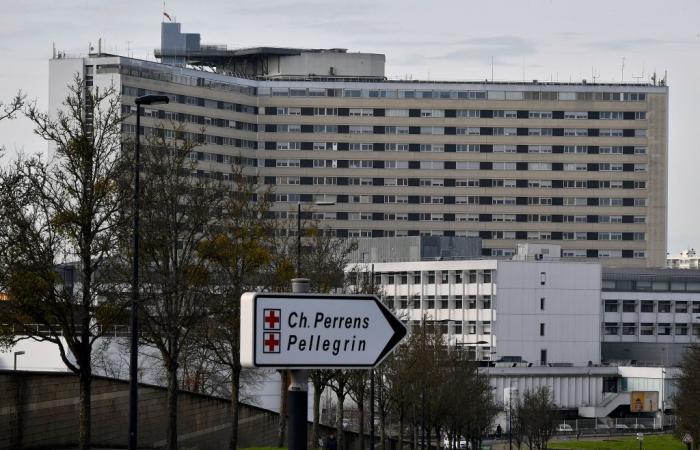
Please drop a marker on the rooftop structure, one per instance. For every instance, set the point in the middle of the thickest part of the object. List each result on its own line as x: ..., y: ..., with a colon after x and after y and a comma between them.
x: 186, y: 49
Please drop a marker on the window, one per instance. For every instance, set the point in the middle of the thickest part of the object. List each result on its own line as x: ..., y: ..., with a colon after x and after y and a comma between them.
x: 629, y: 328
x: 647, y: 306
x: 542, y: 304
x: 543, y: 357
x: 681, y: 329
x: 487, y: 276
x: 611, y: 305
x: 611, y: 329
x: 575, y: 114
x: 629, y: 306
x: 664, y: 329
x: 681, y: 307
x: 646, y: 329
x: 468, y: 148
x: 664, y: 306
x: 541, y: 329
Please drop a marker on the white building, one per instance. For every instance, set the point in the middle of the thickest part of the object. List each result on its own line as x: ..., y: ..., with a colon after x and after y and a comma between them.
x: 537, y: 311
x: 686, y: 259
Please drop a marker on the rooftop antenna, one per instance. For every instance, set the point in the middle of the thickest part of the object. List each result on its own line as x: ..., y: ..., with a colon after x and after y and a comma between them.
x: 622, y: 70
x: 594, y: 75
x: 54, y: 49
x: 128, y: 48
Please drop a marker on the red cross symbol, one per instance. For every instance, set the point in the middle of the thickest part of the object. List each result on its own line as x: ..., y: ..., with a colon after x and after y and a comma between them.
x: 271, y: 343
x: 271, y: 319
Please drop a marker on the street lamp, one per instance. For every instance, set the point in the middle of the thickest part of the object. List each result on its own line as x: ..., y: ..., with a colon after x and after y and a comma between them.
x: 133, y: 361
x: 16, y: 354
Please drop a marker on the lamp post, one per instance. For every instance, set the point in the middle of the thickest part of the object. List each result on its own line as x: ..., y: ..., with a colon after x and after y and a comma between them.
x: 133, y: 360
x: 16, y: 354
x: 297, y: 391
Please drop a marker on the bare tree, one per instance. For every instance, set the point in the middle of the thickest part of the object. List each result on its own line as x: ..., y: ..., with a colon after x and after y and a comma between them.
x: 180, y: 209
x: 688, y: 391
x: 62, y: 218
x: 538, y: 417
x: 10, y: 109
x: 241, y: 250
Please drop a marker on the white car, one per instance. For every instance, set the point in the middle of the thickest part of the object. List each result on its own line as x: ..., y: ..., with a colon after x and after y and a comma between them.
x: 461, y: 445
x: 564, y: 428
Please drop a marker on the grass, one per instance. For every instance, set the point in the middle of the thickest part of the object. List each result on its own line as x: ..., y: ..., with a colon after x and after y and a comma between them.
x: 651, y: 442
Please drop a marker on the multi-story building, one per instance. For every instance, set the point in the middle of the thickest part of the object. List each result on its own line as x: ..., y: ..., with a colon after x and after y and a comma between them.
x: 530, y: 311
x: 582, y: 165
x: 686, y: 259
x: 649, y: 315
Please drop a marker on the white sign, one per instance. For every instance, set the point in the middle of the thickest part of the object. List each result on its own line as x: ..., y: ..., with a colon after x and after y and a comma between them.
x: 313, y: 331
x: 687, y: 438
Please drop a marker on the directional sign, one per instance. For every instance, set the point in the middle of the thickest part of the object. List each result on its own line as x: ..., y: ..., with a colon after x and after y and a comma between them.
x: 687, y: 438
x: 315, y: 331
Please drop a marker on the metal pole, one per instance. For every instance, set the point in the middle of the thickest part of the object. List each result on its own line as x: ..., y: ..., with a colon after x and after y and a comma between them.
x: 133, y: 361
x: 298, y: 395
x: 510, y: 417
x: 371, y: 388
x: 299, y: 240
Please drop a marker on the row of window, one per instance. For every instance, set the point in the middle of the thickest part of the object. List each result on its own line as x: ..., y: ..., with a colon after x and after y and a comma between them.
x: 456, y: 113
x: 199, y: 138
x: 466, y: 200
x: 166, y: 73
x: 648, y: 329
x: 156, y: 73
x: 454, y: 131
x: 455, y: 148
x: 131, y: 91
x: 650, y: 306
x: 677, y: 285
x: 456, y: 165
x: 456, y: 182
x: 474, y: 217
x: 454, y: 94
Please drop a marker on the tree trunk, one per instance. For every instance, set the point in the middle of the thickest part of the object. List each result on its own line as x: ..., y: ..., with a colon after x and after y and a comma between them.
x: 235, y: 381
x: 361, y: 413
x: 400, y: 447
x: 85, y: 387
x: 283, y: 408
x: 339, y: 416
x: 315, y: 437
x: 382, y: 429
x: 171, y: 432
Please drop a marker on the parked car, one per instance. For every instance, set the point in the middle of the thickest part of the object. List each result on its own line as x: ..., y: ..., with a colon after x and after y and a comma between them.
x: 564, y: 428
x: 621, y: 426
x: 461, y: 444
x: 637, y: 426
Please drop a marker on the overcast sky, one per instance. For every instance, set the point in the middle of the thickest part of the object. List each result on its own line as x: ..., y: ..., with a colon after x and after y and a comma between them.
x: 457, y: 39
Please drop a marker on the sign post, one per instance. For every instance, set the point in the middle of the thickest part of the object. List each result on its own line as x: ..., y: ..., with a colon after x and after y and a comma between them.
x: 301, y: 331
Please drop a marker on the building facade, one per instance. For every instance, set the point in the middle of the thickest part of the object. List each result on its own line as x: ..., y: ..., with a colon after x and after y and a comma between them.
x: 531, y: 312
x: 686, y: 259
x: 650, y: 316
x: 577, y: 164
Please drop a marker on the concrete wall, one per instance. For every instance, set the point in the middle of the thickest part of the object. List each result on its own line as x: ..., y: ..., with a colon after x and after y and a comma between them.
x: 569, y: 314
x: 40, y: 410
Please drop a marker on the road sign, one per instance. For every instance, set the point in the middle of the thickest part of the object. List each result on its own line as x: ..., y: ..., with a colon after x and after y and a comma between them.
x: 640, y: 436
x: 315, y: 331
x: 687, y: 438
